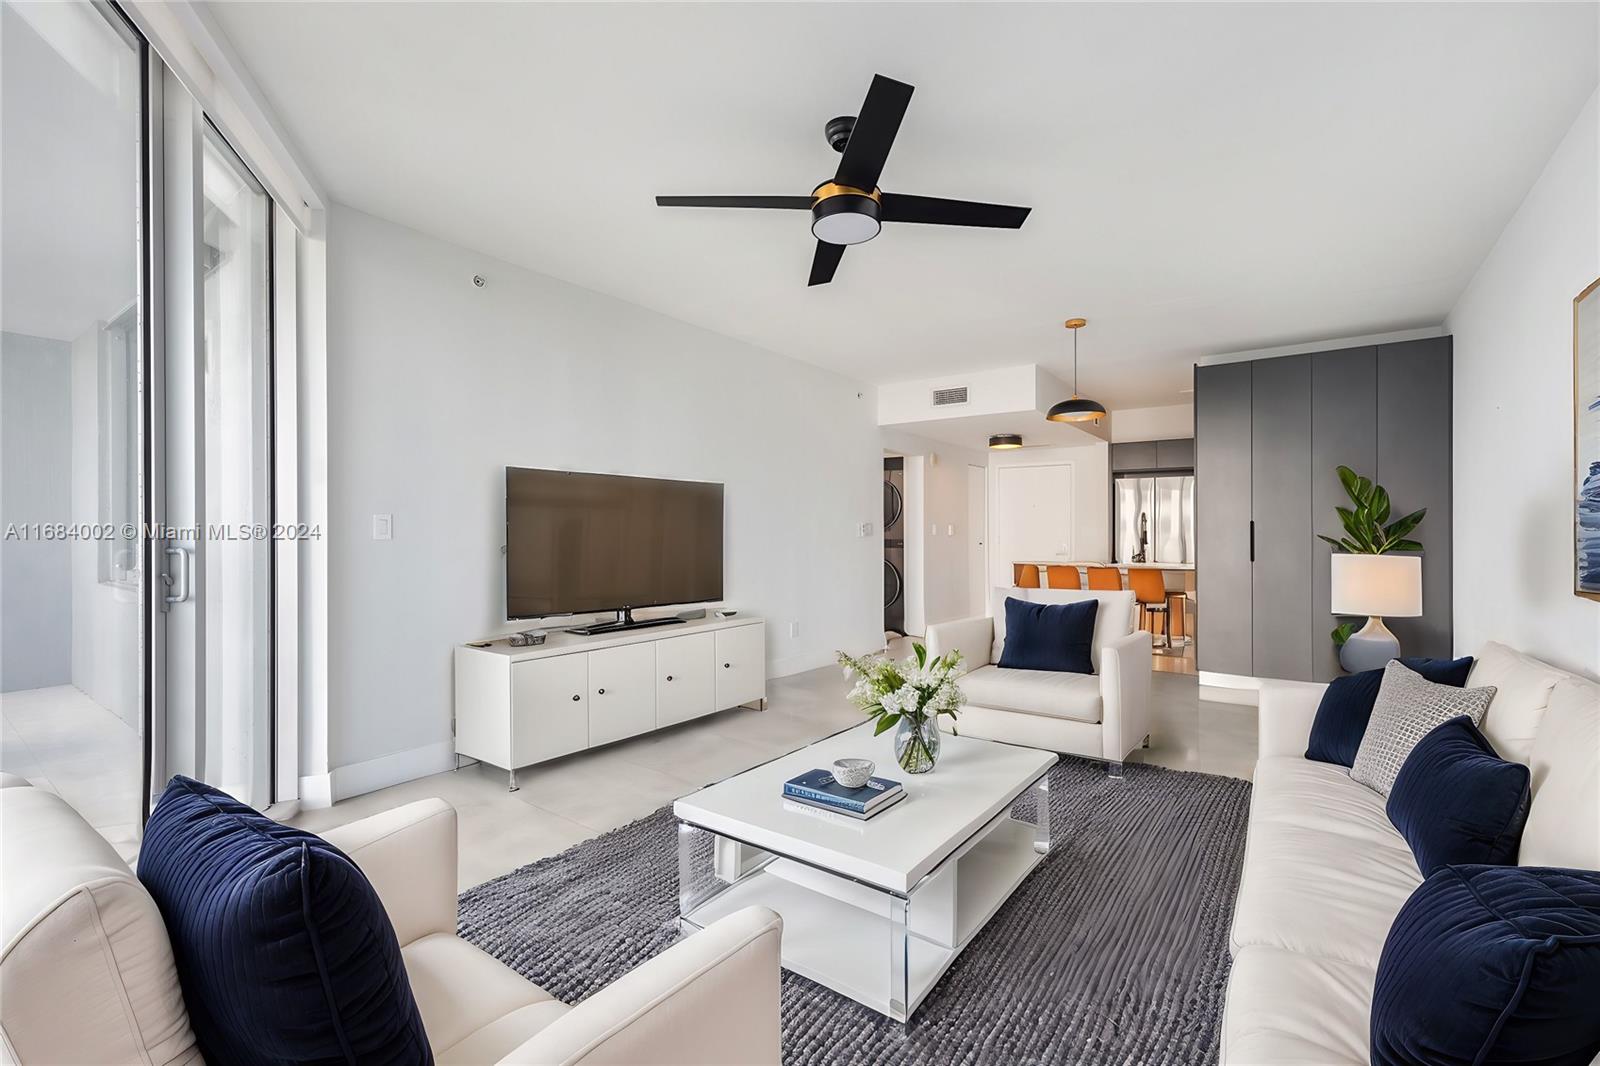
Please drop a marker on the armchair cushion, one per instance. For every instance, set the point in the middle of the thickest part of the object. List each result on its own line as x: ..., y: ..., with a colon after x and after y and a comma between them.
x: 283, y: 949
x: 1049, y: 636
x: 1043, y: 692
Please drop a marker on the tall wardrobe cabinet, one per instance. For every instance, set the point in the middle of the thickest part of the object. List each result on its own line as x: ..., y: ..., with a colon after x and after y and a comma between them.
x: 1269, y: 436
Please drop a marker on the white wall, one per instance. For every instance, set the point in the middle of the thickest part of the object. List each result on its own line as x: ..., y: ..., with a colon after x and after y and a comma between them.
x: 435, y: 386
x: 1091, y: 503
x: 1173, y: 422
x: 1513, y: 477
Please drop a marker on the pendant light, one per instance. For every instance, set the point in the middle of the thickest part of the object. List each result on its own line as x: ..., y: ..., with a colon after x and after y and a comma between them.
x: 1078, y: 408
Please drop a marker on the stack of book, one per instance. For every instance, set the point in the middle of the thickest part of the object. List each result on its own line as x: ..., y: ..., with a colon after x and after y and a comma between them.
x: 817, y: 788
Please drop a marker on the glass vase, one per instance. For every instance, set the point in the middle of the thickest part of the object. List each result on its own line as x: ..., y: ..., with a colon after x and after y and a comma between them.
x: 916, y: 745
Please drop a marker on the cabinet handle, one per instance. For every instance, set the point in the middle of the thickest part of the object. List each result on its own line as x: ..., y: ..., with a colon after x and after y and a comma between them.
x: 669, y: 677
x: 576, y: 697
x: 601, y: 692
x: 1252, y: 541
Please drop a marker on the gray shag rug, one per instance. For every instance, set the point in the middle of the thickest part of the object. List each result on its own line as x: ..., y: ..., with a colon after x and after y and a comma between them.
x: 1114, y: 950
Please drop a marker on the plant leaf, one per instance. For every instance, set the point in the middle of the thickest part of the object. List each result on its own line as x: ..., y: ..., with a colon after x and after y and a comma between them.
x: 1347, y: 478
x: 1405, y: 546
x: 1330, y: 540
x: 1341, y: 633
x: 1397, y: 529
x: 1380, y: 504
x: 885, y: 723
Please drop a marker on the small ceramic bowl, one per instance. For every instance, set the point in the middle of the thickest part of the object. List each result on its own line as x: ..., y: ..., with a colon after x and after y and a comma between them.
x: 852, y: 773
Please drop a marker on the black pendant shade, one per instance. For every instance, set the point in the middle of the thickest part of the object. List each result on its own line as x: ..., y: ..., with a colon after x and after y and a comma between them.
x: 1001, y: 442
x: 1076, y: 408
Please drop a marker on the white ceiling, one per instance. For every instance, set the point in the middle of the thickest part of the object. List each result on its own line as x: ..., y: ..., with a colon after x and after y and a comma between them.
x: 1203, y: 178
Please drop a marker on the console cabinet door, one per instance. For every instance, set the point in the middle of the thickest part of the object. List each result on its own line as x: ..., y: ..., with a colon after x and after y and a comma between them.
x: 741, y: 665
x: 685, y: 685
x: 622, y: 692
x: 549, y: 708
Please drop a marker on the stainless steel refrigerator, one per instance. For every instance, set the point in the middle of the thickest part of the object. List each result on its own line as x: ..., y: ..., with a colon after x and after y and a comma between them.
x: 1153, y: 517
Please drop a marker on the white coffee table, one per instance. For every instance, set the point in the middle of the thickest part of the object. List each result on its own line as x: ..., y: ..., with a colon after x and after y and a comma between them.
x: 874, y: 910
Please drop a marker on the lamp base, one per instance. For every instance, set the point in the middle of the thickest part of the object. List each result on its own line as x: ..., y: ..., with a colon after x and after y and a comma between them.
x: 1370, y: 649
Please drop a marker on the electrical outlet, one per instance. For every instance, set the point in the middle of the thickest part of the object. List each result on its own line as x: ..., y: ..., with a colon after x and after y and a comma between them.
x: 864, y: 529
x: 383, y: 527
x: 794, y: 629
x: 933, y: 529
x: 950, y: 530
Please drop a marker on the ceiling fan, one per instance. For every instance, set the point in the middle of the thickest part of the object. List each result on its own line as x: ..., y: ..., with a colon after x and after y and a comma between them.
x: 850, y: 209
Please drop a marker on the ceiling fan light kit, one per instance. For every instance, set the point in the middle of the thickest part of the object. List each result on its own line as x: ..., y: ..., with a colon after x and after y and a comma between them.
x: 851, y: 209
x: 1076, y: 408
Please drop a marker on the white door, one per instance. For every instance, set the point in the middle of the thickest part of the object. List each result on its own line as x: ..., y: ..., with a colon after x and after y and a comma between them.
x: 741, y: 670
x: 685, y: 673
x: 1033, y: 516
x: 622, y: 692
x: 549, y: 708
x: 977, y: 532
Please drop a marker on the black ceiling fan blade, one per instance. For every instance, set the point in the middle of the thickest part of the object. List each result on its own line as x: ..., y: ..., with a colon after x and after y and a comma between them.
x: 899, y: 207
x: 780, y: 203
x: 873, y: 134
x: 825, y: 262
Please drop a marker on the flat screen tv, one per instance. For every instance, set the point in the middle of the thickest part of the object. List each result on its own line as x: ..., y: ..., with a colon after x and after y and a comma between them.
x: 581, y: 543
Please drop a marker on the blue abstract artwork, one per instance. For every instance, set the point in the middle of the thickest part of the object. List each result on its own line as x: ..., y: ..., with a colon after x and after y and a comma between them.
x: 1586, y: 429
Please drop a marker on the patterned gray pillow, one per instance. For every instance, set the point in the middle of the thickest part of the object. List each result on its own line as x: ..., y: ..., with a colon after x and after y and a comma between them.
x: 1408, y: 708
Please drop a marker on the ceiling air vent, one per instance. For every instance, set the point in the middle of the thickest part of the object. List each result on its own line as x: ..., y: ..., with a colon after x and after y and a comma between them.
x: 951, y: 397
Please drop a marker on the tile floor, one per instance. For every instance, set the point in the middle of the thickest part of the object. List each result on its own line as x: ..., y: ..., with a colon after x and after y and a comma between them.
x: 581, y: 796
x: 60, y: 739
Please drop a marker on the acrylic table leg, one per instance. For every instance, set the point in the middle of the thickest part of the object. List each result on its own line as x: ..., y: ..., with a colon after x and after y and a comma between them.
x: 1041, y: 819
x: 899, y: 959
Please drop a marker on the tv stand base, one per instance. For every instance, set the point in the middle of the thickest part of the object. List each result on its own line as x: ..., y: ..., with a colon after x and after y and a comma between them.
x: 622, y: 623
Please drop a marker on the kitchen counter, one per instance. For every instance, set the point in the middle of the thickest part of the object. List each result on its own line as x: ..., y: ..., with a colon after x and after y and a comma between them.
x: 1179, y: 567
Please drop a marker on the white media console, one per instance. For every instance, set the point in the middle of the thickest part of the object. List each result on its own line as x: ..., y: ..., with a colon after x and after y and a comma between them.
x: 520, y: 706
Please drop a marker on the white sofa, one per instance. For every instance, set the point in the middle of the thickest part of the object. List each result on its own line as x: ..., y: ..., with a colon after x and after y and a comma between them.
x: 87, y: 973
x: 1104, y: 715
x: 1325, y: 872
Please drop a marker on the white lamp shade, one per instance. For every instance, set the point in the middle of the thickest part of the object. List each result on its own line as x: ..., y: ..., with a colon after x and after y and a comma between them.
x: 1382, y: 586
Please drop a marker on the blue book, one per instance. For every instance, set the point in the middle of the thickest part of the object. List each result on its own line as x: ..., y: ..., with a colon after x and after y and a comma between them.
x: 819, y: 786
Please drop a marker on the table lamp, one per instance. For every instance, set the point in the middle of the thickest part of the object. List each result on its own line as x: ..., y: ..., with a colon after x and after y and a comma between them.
x: 1379, y: 586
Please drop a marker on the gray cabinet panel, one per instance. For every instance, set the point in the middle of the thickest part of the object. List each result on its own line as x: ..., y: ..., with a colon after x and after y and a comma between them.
x: 1414, y: 430
x: 1133, y: 455
x: 1344, y: 432
x: 1280, y: 429
x: 1222, y: 517
x: 1175, y: 454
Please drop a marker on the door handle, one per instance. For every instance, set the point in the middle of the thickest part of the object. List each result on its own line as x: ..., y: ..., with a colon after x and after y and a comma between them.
x: 1252, y: 540
x: 181, y: 595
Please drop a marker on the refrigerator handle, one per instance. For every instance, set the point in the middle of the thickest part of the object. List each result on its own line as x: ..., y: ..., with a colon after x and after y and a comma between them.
x: 1252, y: 540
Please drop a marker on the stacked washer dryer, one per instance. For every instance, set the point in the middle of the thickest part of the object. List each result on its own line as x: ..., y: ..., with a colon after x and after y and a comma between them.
x: 894, y: 546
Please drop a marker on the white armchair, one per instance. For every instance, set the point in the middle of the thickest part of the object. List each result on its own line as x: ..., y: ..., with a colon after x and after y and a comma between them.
x: 87, y: 973
x: 1104, y: 715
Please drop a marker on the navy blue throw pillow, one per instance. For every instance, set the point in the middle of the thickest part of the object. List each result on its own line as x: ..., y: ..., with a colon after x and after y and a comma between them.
x: 1346, y: 706
x: 284, y: 952
x: 1491, y: 964
x: 1456, y: 801
x: 1049, y: 636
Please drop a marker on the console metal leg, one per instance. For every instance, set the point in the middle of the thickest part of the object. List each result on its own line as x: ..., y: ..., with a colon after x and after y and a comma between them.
x: 1114, y: 771
x: 511, y: 780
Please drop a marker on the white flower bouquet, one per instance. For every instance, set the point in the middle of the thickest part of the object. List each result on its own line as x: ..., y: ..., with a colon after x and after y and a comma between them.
x: 911, y: 695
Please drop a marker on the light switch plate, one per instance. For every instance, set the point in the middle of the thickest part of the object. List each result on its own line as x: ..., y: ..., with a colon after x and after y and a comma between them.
x: 383, y: 527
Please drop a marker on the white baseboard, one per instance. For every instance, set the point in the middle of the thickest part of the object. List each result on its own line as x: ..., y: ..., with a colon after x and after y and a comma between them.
x: 316, y: 791
x: 798, y: 664
x: 369, y: 776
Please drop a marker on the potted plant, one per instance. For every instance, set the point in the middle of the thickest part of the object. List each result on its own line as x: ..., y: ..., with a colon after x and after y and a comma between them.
x: 1368, y: 531
x: 910, y: 695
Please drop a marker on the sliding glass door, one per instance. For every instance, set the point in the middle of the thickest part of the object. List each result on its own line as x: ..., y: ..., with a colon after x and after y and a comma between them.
x: 217, y: 462
x: 73, y: 348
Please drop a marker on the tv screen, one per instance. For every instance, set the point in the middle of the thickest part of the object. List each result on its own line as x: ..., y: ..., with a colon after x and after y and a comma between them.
x: 579, y: 543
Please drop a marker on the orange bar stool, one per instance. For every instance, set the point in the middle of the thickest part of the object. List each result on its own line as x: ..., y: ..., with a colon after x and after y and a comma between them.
x: 1062, y: 577
x: 1105, y: 578
x: 1025, y: 575
x: 1150, y: 593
